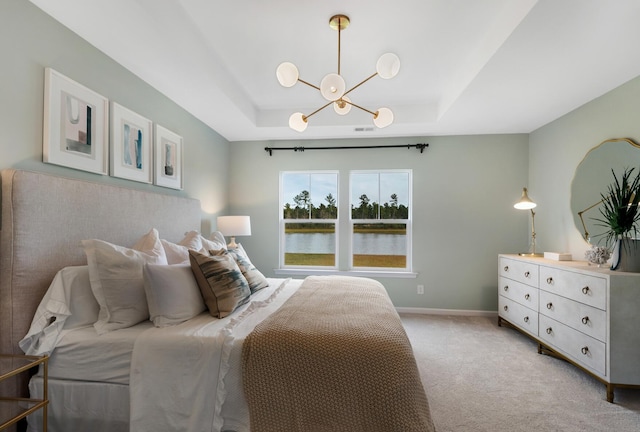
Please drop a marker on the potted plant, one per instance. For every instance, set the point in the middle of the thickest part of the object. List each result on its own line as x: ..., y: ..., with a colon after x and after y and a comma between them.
x: 620, y: 216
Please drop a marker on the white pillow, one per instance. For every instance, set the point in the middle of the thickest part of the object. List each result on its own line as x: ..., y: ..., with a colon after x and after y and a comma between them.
x: 117, y: 280
x: 176, y: 254
x: 83, y: 304
x: 216, y: 241
x: 68, y: 303
x: 193, y: 240
x: 173, y: 295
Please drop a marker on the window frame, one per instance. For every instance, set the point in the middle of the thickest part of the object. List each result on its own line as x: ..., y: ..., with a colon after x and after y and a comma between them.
x: 344, y: 226
x: 282, y: 223
x: 408, y: 222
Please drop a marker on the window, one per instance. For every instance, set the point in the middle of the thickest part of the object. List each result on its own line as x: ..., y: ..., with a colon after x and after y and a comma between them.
x: 376, y: 222
x: 309, y: 217
x: 380, y: 219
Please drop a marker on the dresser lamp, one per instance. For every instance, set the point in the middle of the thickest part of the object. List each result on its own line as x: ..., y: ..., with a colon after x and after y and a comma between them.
x: 525, y: 203
x: 232, y: 226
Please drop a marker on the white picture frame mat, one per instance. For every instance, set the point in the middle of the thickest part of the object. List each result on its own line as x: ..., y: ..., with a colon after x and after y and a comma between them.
x: 53, y: 150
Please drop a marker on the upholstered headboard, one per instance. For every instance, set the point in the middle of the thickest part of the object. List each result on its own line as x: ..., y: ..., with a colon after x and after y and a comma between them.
x: 43, y: 220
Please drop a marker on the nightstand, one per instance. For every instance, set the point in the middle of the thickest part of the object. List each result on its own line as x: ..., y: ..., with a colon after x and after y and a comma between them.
x: 17, y: 408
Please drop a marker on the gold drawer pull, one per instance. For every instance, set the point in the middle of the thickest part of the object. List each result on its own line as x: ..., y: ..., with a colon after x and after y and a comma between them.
x: 526, y: 296
x: 506, y: 308
x: 585, y: 320
x: 526, y: 274
x: 549, y: 305
x: 585, y: 290
x: 506, y: 268
x: 549, y: 330
x: 526, y: 319
x: 506, y: 288
x: 549, y: 280
x: 584, y: 350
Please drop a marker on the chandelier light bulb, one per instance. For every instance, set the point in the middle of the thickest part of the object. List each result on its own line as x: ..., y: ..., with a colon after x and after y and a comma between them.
x: 383, y: 117
x: 287, y: 74
x: 298, y: 122
x: 332, y: 87
x: 388, y: 65
x: 341, y: 106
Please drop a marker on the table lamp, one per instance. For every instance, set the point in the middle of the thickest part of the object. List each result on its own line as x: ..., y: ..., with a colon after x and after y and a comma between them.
x: 232, y: 226
x: 525, y: 203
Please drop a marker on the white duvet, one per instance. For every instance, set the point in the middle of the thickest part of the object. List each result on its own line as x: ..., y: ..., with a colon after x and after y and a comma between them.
x: 188, y: 377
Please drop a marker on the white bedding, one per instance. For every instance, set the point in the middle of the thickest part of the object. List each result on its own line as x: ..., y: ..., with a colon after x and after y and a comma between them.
x: 82, y: 406
x: 185, y: 377
x: 201, y: 385
x: 82, y: 355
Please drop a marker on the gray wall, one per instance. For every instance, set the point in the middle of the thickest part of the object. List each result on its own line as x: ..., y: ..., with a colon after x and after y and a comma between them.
x: 30, y: 40
x: 556, y: 150
x: 464, y: 188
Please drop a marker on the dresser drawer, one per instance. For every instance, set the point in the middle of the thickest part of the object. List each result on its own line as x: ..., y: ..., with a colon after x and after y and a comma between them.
x: 524, y: 272
x: 524, y: 294
x: 577, y: 346
x: 587, y: 319
x: 518, y: 315
x: 591, y: 290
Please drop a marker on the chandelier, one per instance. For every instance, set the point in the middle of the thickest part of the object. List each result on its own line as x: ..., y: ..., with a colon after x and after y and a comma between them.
x: 333, y: 87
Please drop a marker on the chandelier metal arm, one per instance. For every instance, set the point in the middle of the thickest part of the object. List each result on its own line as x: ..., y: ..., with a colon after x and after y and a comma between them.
x: 359, y: 107
x: 318, y: 110
x: 359, y: 84
x: 309, y: 84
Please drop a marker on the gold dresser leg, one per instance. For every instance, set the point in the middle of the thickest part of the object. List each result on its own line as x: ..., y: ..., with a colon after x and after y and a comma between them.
x: 610, y: 388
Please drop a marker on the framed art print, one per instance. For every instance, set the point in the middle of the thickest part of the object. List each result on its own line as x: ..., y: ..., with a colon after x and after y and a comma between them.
x: 131, y: 151
x: 76, y: 133
x: 168, y: 155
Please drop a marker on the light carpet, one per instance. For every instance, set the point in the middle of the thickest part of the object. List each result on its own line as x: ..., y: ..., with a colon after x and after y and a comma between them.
x: 481, y: 377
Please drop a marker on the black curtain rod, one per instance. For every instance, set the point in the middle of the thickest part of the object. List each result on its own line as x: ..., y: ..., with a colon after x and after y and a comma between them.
x: 301, y: 149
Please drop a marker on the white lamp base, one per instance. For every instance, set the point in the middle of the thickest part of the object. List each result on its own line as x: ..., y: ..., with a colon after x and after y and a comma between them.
x: 232, y: 244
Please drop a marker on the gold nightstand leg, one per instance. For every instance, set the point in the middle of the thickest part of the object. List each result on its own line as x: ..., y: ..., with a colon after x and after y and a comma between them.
x: 45, y: 395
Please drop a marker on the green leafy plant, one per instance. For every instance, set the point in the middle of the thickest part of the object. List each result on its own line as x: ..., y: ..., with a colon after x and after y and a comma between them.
x: 619, y: 208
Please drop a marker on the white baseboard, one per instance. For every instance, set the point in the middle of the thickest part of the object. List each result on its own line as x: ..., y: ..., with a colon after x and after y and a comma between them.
x: 460, y: 312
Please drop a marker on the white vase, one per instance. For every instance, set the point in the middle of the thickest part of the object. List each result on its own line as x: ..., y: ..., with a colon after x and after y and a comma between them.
x: 626, y: 255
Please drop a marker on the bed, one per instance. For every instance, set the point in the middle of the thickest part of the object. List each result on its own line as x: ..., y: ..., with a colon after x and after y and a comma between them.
x: 148, y: 376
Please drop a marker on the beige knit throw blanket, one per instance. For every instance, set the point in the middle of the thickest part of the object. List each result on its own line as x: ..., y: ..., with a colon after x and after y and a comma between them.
x: 334, y: 357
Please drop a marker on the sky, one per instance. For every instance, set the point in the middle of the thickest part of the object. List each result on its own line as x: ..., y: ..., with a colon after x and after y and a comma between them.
x: 320, y: 185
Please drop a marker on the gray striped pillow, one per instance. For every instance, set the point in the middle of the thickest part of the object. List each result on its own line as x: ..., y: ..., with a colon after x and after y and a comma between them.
x: 221, y: 282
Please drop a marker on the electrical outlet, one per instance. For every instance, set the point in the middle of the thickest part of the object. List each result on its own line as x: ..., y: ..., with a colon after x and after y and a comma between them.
x: 420, y: 289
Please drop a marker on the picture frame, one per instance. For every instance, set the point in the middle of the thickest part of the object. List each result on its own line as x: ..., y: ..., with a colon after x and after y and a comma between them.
x: 75, y: 125
x: 131, y: 150
x: 168, y: 158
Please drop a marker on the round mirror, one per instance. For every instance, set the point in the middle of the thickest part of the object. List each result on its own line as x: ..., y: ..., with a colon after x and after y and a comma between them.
x: 591, y: 179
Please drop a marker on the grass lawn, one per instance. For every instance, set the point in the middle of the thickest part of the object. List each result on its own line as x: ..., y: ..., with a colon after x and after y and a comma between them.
x: 394, y: 261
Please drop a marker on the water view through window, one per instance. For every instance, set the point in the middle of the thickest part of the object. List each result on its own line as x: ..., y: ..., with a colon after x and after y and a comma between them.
x: 378, y: 214
x: 378, y: 247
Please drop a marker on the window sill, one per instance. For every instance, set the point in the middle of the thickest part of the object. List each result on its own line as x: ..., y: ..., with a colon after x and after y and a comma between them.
x: 362, y: 273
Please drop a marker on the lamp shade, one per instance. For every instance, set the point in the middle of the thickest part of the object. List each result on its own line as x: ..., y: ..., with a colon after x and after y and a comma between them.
x: 332, y: 87
x: 234, y: 225
x: 287, y: 74
x: 298, y: 122
x: 342, y: 106
x: 525, y: 202
x: 388, y: 65
x: 383, y: 117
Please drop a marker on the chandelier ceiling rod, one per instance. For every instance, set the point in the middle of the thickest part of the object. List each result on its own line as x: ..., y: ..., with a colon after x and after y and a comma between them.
x: 333, y: 86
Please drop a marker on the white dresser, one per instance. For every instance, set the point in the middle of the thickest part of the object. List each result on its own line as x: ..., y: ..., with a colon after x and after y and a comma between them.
x: 587, y: 315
